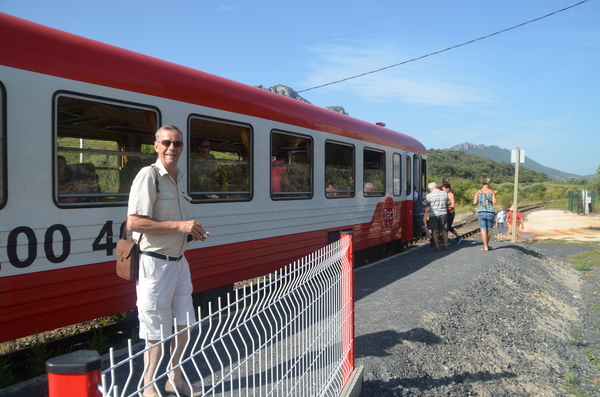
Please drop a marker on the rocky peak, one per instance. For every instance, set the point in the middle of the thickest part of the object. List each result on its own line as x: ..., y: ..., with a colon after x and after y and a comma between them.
x: 463, y: 147
x: 289, y: 92
x: 338, y: 109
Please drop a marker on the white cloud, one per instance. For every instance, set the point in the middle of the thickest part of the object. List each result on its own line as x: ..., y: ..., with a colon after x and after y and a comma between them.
x: 425, y: 82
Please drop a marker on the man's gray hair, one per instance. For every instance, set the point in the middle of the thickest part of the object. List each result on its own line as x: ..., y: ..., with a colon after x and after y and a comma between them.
x: 167, y: 127
x: 432, y: 185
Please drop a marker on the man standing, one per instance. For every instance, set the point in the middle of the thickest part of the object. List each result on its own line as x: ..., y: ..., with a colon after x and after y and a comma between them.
x: 159, y: 211
x: 438, y: 202
x: 511, y: 218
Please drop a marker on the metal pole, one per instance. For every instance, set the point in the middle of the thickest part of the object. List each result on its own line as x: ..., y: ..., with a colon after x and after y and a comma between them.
x: 515, y: 206
x: 348, y: 331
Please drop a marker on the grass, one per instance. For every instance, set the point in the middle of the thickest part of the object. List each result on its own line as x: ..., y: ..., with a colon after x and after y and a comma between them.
x: 99, y: 342
x: 593, y: 357
x: 571, y: 242
x: 575, y: 336
x: 583, y: 261
x: 37, y: 357
x: 562, y: 204
x: 7, y: 378
x: 587, y: 261
x: 571, y: 385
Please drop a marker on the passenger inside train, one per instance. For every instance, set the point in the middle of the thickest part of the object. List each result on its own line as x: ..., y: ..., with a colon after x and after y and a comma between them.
x: 76, y: 183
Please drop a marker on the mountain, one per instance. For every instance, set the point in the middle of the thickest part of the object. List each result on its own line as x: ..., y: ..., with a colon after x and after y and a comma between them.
x: 287, y: 91
x: 500, y: 155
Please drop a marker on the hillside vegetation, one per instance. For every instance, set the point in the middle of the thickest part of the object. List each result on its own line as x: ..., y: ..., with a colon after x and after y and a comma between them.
x: 499, y: 155
x: 472, y: 167
x: 466, y: 170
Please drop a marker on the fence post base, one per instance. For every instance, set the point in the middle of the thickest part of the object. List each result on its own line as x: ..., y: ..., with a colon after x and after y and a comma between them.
x: 354, y: 386
x: 75, y: 374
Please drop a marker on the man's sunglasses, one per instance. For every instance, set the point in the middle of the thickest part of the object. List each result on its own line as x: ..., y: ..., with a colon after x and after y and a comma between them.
x: 167, y: 143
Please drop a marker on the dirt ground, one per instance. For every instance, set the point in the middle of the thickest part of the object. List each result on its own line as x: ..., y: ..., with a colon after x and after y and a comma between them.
x: 556, y: 224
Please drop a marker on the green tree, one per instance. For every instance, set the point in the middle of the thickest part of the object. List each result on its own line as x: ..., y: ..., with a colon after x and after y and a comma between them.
x: 595, y: 183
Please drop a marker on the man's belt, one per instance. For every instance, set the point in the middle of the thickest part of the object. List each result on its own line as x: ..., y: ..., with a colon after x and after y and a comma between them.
x: 161, y: 256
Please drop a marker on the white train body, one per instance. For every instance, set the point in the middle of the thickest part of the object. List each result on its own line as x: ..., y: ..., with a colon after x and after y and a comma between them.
x: 98, y: 106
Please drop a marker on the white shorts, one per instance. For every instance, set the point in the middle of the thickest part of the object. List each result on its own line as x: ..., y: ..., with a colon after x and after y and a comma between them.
x: 164, y: 292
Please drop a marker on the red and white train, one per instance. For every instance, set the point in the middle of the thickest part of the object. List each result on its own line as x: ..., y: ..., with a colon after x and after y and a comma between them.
x: 77, y: 121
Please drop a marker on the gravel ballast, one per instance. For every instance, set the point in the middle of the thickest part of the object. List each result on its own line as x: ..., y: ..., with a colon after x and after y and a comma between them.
x: 515, y: 321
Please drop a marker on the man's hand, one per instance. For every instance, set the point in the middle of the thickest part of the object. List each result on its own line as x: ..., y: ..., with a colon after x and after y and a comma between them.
x: 194, y: 229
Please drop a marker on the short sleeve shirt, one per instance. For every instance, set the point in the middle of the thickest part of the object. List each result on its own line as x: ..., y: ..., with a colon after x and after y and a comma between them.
x: 418, y: 204
x: 438, y: 201
x: 172, y: 204
x: 501, y: 216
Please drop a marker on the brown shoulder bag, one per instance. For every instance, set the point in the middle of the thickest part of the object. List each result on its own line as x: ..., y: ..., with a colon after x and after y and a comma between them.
x: 128, y: 253
x: 128, y: 250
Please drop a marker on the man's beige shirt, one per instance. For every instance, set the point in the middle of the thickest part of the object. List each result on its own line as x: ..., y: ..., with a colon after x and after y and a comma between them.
x: 172, y: 204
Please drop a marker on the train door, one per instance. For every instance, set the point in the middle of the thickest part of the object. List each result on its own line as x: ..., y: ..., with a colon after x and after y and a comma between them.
x: 423, y: 175
x: 409, y: 207
x: 420, y: 191
x: 2, y: 149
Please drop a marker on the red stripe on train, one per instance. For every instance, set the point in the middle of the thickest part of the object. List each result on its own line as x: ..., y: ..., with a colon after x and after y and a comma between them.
x: 42, y: 301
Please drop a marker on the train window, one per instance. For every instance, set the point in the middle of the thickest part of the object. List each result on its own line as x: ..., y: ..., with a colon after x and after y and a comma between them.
x: 2, y: 147
x: 397, y: 174
x: 416, y: 171
x: 100, y: 147
x: 220, y: 160
x: 374, y: 172
x: 291, y: 166
x: 408, y: 176
x: 339, y: 170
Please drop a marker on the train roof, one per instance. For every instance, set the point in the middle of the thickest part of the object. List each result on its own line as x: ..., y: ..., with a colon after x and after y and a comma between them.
x: 41, y: 49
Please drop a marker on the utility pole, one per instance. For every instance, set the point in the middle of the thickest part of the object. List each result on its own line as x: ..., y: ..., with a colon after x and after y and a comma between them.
x: 515, y: 206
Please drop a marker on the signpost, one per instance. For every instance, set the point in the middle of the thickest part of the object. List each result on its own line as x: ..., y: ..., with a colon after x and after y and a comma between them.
x: 517, y: 157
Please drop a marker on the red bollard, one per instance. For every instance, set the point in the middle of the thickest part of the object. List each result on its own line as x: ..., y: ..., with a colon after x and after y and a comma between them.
x: 75, y: 374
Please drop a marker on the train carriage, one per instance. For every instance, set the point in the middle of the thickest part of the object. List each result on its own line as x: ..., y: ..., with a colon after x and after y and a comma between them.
x: 77, y: 120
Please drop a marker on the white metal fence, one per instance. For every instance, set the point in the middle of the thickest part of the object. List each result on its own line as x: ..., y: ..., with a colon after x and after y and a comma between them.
x: 290, y: 334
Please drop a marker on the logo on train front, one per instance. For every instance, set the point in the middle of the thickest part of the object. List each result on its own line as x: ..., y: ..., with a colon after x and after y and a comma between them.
x: 389, y: 214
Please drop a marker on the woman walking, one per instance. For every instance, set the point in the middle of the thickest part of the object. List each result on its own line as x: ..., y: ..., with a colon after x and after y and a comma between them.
x: 485, y: 198
x: 451, y: 214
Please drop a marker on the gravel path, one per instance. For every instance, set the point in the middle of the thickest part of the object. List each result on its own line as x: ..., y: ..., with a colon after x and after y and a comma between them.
x: 509, y: 322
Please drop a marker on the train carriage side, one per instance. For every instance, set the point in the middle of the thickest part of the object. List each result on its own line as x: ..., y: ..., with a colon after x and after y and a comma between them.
x: 284, y: 177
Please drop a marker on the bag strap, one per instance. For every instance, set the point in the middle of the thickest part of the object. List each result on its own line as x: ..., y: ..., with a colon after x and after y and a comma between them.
x: 124, y: 234
x: 156, y: 176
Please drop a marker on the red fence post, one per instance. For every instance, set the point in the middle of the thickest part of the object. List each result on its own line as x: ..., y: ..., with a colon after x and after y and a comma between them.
x: 348, y: 308
x: 75, y: 374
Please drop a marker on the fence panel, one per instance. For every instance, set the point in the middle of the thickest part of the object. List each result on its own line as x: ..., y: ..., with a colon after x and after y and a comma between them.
x: 290, y: 334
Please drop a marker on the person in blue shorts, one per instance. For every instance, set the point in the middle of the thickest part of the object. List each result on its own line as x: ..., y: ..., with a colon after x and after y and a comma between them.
x: 500, y: 220
x: 485, y: 198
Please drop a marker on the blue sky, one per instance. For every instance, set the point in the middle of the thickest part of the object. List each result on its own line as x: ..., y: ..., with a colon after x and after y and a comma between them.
x: 536, y: 87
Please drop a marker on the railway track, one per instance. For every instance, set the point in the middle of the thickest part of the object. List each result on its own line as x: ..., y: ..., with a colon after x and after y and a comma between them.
x: 470, y: 227
x: 115, y: 334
